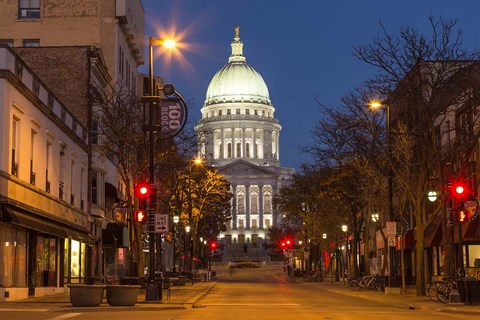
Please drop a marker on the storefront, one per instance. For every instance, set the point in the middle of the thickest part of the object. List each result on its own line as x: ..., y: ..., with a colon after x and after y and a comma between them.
x: 39, y: 256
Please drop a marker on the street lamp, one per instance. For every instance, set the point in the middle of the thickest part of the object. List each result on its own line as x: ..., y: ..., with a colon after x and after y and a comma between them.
x: 376, y: 105
x: 152, y: 292
x: 176, y: 220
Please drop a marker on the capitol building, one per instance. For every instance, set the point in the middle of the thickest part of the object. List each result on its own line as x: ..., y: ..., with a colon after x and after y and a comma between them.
x: 238, y: 133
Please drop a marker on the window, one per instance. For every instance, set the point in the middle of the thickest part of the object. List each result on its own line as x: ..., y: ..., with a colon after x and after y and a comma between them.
x: 247, y: 111
x: 240, y: 204
x: 255, y: 112
x: 254, y: 203
x: 35, y: 87
x: 241, y: 224
x: 237, y: 111
x: 94, y: 136
x: 239, y: 150
x: 247, y: 150
x: 8, y: 42
x: 229, y: 112
x: 62, y: 173
x: 219, y: 112
x: 32, y: 153
x: 267, y: 203
x: 94, y: 188
x: 13, y: 254
x: 267, y: 223
x: 229, y: 150
x: 82, y: 177
x: 72, y: 178
x: 50, y: 101
x: 31, y: 43
x: 15, y: 140
x: 29, y: 9
x: 254, y: 224
x: 48, y: 157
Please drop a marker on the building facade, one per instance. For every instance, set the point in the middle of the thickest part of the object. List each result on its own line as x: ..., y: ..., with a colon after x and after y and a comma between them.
x: 240, y: 135
x: 114, y: 29
x: 46, y: 232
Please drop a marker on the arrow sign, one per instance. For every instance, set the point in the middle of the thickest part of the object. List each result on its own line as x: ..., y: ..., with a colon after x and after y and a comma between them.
x: 161, y: 223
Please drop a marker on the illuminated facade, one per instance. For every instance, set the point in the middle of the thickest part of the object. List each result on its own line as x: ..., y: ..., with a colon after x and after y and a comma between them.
x: 239, y: 133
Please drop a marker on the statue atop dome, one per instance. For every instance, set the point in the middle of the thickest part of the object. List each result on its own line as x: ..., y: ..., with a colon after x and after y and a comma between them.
x: 237, y: 32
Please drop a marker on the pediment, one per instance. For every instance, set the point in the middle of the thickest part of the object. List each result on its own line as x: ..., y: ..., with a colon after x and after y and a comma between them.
x: 244, y: 168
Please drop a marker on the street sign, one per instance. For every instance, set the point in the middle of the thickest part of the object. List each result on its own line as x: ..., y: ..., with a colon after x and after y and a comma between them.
x: 391, y: 228
x: 161, y: 223
x: 391, y: 239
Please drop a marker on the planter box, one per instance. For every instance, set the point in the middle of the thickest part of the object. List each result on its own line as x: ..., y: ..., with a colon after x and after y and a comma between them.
x: 122, y: 295
x: 86, y: 295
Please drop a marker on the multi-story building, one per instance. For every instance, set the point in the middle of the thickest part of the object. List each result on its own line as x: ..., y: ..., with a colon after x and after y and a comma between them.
x: 239, y: 133
x: 46, y: 231
x: 116, y: 28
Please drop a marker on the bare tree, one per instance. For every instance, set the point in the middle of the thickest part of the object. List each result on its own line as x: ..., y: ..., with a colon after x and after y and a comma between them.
x: 427, y: 81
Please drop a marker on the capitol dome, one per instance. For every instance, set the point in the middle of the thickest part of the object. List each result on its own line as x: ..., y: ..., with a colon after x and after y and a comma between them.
x: 237, y: 81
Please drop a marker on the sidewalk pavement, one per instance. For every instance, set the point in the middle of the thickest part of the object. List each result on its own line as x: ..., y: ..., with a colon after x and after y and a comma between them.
x: 409, y: 300
x: 181, y: 297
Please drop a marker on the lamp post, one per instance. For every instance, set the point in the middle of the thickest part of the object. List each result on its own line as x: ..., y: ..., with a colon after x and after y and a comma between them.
x: 391, y: 265
x: 176, y: 219
x: 344, y: 230
x: 152, y: 292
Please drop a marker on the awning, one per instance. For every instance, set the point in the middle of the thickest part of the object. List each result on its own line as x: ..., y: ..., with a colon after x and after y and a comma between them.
x: 433, y: 233
x: 114, y: 235
x: 111, y: 192
x: 41, y: 224
x: 470, y: 231
x: 79, y: 236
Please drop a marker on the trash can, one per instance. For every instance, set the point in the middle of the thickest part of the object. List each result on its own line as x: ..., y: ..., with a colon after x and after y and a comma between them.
x: 469, y: 291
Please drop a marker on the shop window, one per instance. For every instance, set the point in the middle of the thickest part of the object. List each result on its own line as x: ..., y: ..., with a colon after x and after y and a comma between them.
x: 13, y: 254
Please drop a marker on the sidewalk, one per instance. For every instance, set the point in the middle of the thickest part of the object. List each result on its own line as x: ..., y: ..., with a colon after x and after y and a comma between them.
x: 409, y: 300
x: 181, y: 297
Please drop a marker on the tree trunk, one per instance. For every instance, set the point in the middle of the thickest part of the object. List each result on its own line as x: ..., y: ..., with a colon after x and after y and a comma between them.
x: 419, y: 265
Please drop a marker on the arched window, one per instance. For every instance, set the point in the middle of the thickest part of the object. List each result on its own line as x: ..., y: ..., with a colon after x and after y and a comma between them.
x: 229, y: 150
x: 239, y: 150
x: 247, y: 150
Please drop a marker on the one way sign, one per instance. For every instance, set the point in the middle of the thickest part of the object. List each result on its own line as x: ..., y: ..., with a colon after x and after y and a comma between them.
x: 161, y: 223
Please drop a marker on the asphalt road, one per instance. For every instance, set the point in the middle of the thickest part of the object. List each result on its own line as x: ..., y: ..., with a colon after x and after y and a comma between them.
x: 263, y: 294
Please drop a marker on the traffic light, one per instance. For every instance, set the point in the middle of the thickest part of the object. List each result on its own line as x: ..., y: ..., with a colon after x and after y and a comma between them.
x: 213, y: 245
x: 140, y: 216
x: 142, y: 191
x: 286, y: 243
x: 463, y: 215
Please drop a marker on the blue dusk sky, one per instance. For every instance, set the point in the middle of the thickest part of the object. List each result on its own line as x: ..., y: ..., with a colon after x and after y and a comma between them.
x: 302, y: 49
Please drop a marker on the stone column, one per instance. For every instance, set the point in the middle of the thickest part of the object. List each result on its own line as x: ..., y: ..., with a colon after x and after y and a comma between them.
x: 260, y: 206
x: 234, y: 206
x: 222, y: 150
x: 247, y: 206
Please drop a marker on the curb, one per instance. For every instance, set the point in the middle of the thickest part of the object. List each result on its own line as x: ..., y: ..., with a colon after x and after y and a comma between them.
x: 201, y: 295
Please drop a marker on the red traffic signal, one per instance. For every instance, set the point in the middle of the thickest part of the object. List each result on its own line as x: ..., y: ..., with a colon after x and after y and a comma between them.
x: 142, y: 190
x: 140, y: 216
x: 213, y: 245
x: 463, y: 215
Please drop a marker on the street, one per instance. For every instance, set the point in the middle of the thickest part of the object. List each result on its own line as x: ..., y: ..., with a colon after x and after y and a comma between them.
x: 262, y: 293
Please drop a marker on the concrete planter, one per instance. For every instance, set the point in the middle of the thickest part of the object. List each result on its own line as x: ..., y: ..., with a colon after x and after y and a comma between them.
x: 86, y: 295
x: 122, y: 295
